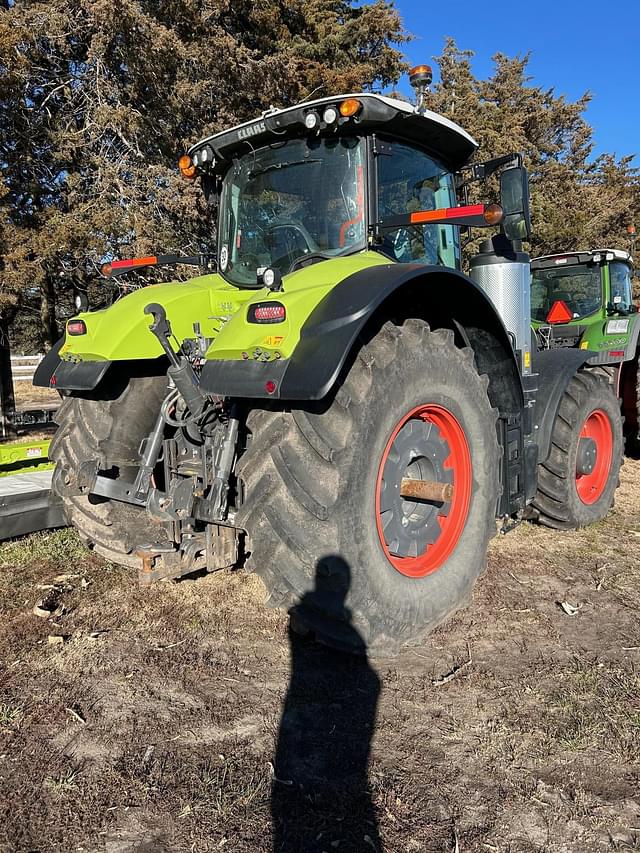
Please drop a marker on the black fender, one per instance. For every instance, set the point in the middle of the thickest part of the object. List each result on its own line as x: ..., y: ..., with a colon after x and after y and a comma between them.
x: 47, y: 367
x: 444, y: 297
x: 53, y: 372
x: 85, y: 376
x: 554, y: 368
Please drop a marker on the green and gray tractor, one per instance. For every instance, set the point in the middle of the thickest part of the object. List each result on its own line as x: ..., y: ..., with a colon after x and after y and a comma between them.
x: 333, y: 403
x: 585, y: 300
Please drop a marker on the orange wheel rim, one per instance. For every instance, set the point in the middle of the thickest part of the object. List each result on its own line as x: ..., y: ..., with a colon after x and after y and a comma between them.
x: 591, y: 485
x: 417, y: 541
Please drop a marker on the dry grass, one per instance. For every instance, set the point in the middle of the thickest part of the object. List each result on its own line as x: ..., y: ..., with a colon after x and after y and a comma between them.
x: 152, y: 727
x: 27, y: 394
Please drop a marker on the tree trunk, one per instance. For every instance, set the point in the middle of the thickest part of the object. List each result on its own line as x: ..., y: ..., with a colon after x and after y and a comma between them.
x: 7, y: 400
x: 48, y: 313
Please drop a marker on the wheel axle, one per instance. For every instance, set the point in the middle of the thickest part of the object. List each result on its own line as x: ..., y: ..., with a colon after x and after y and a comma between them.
x: 426, y: 490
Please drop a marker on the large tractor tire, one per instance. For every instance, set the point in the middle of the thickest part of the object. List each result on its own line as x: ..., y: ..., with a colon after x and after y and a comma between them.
x: 630, y: 392
x: 577, y: 483
x: 111, y: 431
x: 327, y: 530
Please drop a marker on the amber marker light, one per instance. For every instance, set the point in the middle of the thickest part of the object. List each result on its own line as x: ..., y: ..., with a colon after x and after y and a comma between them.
x: 350, y: 107
x: 187, y: 167
x: 493, y: 214
x: 421, y: 74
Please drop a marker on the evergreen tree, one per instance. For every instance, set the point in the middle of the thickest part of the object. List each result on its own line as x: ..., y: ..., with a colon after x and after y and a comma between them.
x: 576, y: 202
x: 99, y: 99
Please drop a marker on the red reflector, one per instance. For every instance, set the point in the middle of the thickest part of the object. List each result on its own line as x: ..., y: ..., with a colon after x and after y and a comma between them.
x: 270, y: 312
x: 560, y: 312
x: 270, y: 386
x: 149, y: 261
x: 616, y: 353
x: 76, y: 327
x: 447, y: 213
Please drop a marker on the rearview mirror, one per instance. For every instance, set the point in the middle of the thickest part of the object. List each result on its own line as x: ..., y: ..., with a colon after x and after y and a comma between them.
x: 514, y: 199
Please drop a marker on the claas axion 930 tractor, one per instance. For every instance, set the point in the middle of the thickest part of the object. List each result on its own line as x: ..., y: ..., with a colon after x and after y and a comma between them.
x: 337, y: 406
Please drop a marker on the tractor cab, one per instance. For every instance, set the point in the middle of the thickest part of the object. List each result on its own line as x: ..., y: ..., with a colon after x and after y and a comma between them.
x: 334, y: 177
x: 571, y: 292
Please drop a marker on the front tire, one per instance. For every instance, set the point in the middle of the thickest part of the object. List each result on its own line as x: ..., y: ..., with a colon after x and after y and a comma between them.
x: 322, y: 531
x: 577, y: 483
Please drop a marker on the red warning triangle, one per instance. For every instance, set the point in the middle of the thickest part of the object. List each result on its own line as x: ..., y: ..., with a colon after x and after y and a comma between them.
x: 560, y: 312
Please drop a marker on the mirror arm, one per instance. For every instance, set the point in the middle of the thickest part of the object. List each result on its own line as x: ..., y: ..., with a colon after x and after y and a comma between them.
x: 482, y: 171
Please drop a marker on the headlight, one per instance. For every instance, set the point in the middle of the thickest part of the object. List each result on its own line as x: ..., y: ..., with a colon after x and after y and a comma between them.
x: 311, y: 120
x: 330, y: 115
x: 81, y: 301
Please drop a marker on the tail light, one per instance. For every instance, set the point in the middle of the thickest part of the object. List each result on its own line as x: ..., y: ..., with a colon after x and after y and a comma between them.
x: 267, y: 312
x: 76, y: 327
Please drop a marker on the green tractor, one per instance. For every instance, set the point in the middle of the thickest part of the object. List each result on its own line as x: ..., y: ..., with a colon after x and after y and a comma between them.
x: 336, y: 406
x: 585, y: 300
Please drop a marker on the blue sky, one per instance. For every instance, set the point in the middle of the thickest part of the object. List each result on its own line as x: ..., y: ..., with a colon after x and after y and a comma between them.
x: 575, y: 46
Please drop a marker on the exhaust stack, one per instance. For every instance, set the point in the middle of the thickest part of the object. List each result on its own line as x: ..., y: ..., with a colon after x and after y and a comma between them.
x: 503, y: 271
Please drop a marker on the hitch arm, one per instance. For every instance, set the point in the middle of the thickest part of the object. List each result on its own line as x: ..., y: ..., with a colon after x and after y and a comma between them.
x: 161, y: 328
x: 180, y: 369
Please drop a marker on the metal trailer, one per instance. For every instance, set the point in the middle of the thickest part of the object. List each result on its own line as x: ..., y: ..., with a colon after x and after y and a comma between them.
x: 26, y: 501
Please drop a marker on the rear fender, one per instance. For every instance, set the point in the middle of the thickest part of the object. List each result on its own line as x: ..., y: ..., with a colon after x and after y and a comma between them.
x: 104, y: 380
x: 47, y: 367
x: 630, y: 394
x: 614, y: 347
x: 554, y: 369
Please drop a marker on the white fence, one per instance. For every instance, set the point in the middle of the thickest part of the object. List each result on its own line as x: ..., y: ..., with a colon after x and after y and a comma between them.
x: 24, y: 366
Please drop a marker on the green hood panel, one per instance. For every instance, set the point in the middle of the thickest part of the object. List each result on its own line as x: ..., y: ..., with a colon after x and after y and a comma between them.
x: 121, y: 332
x: 602, y: 334
x: 303, y: 290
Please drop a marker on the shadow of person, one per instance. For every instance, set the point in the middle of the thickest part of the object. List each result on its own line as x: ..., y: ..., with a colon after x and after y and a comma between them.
x: 321, y: 799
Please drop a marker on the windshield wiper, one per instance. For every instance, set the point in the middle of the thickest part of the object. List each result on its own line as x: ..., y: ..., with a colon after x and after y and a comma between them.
x: 309, y: 259
x: 254, y: 172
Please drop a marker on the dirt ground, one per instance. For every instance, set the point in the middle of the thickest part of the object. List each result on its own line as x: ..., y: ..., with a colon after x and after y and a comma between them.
x: 156, y: 723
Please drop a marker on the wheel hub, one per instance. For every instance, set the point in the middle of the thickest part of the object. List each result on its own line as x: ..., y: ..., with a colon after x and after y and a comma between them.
x: 418, y: 452
x: 587, y: 456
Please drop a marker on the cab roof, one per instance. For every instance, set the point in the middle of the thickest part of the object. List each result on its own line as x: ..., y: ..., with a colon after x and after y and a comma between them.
x: 582, y: 257
x: 444, y: 139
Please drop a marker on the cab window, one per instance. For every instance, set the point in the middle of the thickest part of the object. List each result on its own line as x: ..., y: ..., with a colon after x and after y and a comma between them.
x: 578, y: 286
x: 408, y: 181
x: 620, y: 291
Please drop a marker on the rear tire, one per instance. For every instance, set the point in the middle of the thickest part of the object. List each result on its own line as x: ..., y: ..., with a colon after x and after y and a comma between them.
x: 312, y: 479
x: 110, y: 431
x: 569, y: 495
x: 630, y: 392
